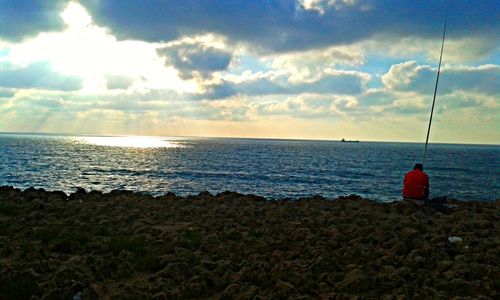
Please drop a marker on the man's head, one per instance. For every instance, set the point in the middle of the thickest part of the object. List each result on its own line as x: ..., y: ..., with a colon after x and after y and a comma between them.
x: 418, y: 166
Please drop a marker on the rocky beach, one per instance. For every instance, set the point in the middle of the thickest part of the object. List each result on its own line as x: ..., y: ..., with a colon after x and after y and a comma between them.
x: 124, y: 245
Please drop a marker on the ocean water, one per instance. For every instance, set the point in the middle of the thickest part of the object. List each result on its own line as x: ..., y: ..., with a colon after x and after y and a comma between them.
x: 270, y: 168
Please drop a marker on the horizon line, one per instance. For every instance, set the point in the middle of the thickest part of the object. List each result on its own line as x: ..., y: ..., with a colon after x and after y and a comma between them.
x: 238, y: 137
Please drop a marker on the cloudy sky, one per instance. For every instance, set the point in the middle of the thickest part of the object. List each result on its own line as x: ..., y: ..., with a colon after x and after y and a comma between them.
x: 310, y: 69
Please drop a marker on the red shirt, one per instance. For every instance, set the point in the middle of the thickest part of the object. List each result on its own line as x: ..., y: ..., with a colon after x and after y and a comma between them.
x: 415, y: 183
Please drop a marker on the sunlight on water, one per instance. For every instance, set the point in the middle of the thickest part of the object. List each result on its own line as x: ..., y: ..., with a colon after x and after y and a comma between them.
x: 270, y: 168
x: 129, y: 141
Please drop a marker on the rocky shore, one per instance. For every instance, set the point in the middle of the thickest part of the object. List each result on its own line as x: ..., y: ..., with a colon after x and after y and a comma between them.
x: 124, y: 245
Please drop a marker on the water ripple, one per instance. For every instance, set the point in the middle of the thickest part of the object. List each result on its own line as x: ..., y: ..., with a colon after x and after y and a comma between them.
x: 271, y: 168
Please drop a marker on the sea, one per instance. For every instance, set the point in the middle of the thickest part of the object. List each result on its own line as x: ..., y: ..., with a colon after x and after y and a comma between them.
x: 274, y: 169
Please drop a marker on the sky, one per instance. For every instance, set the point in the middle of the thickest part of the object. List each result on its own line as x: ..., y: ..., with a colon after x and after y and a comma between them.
x: 301, y: 69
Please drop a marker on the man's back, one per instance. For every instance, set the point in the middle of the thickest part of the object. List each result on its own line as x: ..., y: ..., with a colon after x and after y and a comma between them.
x: 416, y: 184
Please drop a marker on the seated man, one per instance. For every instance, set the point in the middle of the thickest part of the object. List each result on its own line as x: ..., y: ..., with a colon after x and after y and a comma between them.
x: 416, y: 186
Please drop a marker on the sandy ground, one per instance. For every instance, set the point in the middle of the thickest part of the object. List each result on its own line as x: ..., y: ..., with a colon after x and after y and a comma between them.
x: 123, y: 245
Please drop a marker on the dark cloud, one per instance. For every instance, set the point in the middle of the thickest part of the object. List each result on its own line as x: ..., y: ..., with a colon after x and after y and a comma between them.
x: 283, y: 25
x: 23, y: 18
x: 196, y: 60
x: 36, y: 76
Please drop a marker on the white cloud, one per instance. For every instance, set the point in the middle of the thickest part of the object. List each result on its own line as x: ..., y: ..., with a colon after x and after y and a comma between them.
x: 410, y: 76
x: 321, y: 5
x: 457, y: 50
x: 401, y: 74
x: 305, y: 106
x: 309, y: 66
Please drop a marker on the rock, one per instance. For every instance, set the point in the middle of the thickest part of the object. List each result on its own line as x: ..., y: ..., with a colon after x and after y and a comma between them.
x: 231, y: 291
x: 90, y: 293
x: 356, y: 281
x: 78, y: 195
x: 205, y: 194
x: 454, y: 239
x: 249, y: 292
x: 283, y: 289
x: 132, y: 246
x: 57, y: 196
x: 160, y: 296
x: 177, y: 271
x: 18, y: 285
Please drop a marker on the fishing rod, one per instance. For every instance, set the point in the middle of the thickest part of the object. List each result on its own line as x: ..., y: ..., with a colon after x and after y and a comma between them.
x: 435, y: 92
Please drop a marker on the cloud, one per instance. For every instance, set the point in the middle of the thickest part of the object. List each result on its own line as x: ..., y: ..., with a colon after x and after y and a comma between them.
x: 245, y: 68
x: 376, y: 97
x: 309, y: 65
x: 194, y: 58
x: 278, y: 25
x: 114, y: 82
x: 20, y: 19
x: 93, y: 54
x: 321, y: 5
x: 6, y: 93
x: 409, y: 76
x: 373, y: 114
x: 271, y: 83
x: 38, y: 75
x: 306, y: 106
x: 389, y: 104
x: 456, y: 50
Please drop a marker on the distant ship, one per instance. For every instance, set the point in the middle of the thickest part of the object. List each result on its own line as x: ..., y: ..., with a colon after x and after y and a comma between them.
x: 346, y: 141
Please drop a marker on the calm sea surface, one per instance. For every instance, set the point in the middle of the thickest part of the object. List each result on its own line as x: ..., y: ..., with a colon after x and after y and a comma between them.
x: 270, y: 168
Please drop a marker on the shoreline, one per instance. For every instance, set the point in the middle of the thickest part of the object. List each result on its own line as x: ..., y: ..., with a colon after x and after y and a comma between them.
x: 229, y: 246
x: 99, y: 193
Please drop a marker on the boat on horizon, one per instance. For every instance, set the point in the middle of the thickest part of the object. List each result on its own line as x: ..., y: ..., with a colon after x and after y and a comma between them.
x: 348, y: 141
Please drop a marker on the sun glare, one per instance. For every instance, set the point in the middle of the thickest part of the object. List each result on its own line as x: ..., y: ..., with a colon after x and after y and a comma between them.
x: 92, y: 53
x: 129, y: 141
